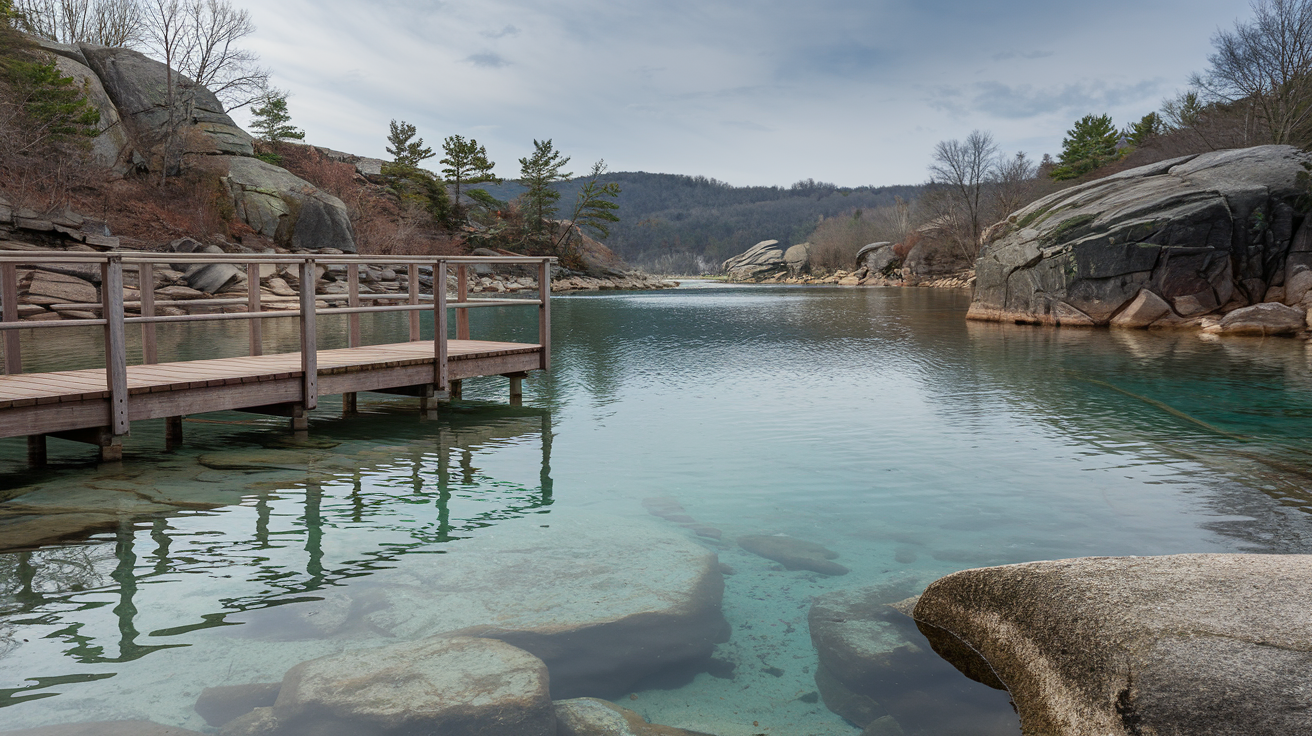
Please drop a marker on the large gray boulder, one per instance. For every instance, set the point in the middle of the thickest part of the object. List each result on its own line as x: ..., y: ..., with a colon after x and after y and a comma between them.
x: 112, y: 147
x: 287, y: 208
x: 458, y: 686
x: 798, y: 259
x: 604, y: 602
x: 878, y: 258
x: 209, y: 278
x: 1186, y: 645
x: 762, y: 260
x: 138, y: 86
x: 1202, y: 232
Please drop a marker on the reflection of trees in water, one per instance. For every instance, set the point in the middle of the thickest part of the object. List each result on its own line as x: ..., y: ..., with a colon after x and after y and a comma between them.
x: 39, y: 588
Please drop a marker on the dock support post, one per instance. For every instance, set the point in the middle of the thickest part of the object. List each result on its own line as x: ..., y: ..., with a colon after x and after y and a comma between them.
x: 412, y: 281
x: 36, y: 451
x: 309, y: 341
x: 457, y: 389
x: 172, y: 433
x: 544, y: 313
x: 253, y: 296
x: 428, y: 403
x: 516, y: 388
x: 116, y: 357
x: 440, y: 327
x: 350, y: 405
x: 9, y: 302
x: 300, y: 419
x: 146, y: 286
x: 112, y: 450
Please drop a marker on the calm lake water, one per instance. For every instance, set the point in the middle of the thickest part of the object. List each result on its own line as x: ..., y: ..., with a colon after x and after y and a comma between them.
x: 876, y: 422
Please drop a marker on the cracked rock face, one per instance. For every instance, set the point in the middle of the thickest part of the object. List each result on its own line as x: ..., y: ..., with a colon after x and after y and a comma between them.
x: 1205, y: 234
x: 1187, y: 644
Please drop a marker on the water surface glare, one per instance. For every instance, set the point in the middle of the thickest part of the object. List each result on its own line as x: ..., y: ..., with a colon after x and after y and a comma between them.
x: 876, y: 422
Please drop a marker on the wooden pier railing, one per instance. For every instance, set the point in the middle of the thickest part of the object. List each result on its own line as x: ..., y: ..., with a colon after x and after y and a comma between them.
x: 98, y: 405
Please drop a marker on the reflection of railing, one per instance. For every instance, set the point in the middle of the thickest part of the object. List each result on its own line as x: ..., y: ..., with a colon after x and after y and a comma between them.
x: 114, y: 318
x: 439, y: 466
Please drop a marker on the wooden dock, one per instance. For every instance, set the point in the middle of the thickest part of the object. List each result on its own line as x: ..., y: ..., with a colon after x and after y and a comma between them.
x: 98, y: 405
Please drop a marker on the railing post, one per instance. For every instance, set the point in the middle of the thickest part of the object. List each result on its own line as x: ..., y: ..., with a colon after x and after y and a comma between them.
x: 544, y: 312
x: 116, y: 358
x: 309, y: 338
x: 9, y: 301
x: 253, y: 305
x: 146, y: 285
x: 413, y: 282
x: 462, y: 295
x: 440, y: 325
x: 353, y: 297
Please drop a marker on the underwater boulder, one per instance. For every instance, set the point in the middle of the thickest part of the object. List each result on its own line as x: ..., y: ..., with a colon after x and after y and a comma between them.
x: 794, y: 554
x: 593, y: 717
x: 605, y: 602
x: 105, y: 728
x: 453, y: 685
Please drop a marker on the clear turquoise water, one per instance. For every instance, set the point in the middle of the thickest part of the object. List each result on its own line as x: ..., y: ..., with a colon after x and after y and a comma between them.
x: 877, y: 422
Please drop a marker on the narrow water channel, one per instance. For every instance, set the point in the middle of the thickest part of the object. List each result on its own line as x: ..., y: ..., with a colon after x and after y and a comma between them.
x: 875, y: 422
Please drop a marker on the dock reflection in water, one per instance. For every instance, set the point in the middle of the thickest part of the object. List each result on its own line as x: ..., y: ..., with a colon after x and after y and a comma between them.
x: 300, y: 521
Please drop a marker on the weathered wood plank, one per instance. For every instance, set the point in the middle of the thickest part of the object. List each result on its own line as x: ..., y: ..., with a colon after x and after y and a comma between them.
x: 253, y: 305
x: 146, y: 285
x: 9, y: 302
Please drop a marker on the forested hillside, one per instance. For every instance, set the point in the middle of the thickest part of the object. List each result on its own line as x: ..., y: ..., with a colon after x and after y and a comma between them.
x: 668, y: 218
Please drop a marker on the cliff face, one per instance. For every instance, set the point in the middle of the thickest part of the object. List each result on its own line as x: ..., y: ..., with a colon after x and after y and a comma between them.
x: 1178, y: 243
x: 131, y: 92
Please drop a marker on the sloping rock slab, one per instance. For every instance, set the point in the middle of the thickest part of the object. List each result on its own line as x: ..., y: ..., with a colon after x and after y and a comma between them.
x: 592, y: 717
x: 439, y: 686
x: 761, y: 260
x: 1198, y: 232
x: 138, y: 87
x: 110, y: 148
x: 605, y: 602
x: 1188, y: 644
x: 105, y: 728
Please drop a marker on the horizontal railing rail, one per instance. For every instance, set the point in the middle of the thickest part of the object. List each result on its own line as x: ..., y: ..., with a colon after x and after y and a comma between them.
x: 113, y: 305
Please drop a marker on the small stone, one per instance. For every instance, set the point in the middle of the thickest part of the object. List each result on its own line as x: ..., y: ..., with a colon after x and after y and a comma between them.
x: 593, y: 717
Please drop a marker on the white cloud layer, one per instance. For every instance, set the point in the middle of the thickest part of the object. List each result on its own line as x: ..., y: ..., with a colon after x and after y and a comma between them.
x: 768, y: 92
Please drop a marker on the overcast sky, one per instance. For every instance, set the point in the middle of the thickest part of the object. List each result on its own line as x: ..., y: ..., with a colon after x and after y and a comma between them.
x: 854, y: 92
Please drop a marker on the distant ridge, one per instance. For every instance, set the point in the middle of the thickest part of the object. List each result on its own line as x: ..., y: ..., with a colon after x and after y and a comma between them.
x: 663, y: 214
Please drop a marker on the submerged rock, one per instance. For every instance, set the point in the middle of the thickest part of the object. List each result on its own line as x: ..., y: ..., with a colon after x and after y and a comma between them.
x: 255, y: 459
x: 604, y: 602
x: 873, y: 665
x: 439, y: 686
x: 219, y: 705
x: 1188, y: 644
x: 1201, y: 232
x: 794, y: 554
x: 105, y: 728
x: 592, y: 717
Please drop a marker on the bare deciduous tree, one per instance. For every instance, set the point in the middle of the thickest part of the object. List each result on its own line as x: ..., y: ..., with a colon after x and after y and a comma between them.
x: 963, y: 169
x: 1265, y: 67
x: 1013, y: 180
x: 102, y: 22
x: 214, y: 28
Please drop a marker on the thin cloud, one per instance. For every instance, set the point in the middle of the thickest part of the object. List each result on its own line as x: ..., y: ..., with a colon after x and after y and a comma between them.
x: 1009, y: 55
x: 487, y: 60
x: 1023, y: 101
x: 507, y: 31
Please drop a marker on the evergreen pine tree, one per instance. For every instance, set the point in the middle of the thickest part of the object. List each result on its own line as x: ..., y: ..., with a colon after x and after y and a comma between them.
x: 1149, y: 127
x: 57, y: 109
x: 1088, y: 145
x: 270, y: 120
x: 466, y: 162
x: 406, y: 150
x: 538, y: 173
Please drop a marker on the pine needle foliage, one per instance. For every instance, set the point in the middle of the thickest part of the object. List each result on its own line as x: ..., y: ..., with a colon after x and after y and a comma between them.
x: 538, y: 173
x: 272, y: 122
x: 466, y: 162
x: 1088, y: 146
